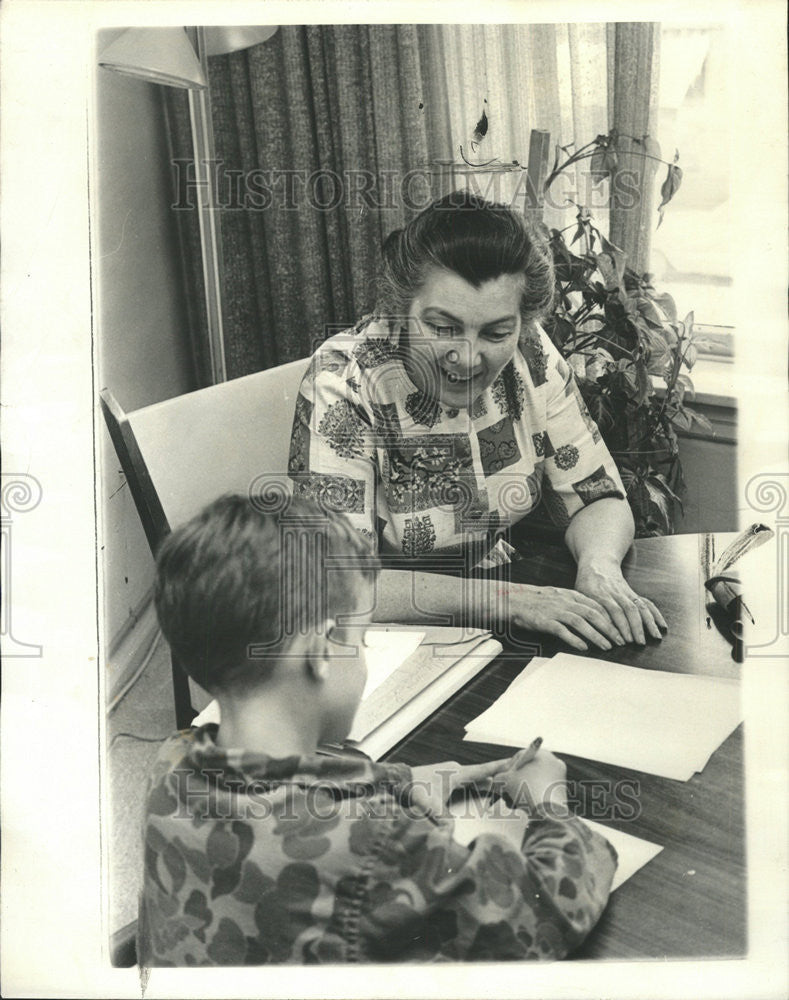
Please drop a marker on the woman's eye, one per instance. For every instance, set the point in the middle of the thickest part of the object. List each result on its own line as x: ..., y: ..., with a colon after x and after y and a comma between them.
x: 441, y: 330
x: 498, y: 334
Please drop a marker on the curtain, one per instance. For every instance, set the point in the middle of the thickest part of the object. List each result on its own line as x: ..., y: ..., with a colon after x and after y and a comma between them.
x: 633, y: 92
x: 552, y: 77
x: 575, y: 81
x: 329, y: 136
x: 315, y: 130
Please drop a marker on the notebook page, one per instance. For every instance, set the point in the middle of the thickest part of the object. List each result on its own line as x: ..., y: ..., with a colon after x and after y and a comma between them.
x: 387, y: 649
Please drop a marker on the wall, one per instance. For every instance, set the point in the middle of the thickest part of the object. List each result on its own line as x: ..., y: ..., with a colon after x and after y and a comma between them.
x: 141, y: 332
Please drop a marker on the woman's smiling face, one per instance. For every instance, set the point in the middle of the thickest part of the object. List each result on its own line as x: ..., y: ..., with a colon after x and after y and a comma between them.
x: 460, y: 337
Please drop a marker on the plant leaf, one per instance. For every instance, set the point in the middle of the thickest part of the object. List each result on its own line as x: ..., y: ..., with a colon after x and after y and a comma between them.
x: 659, y: 360
x: 597, y: 169
x: 481, y: 128
x: 563, y: 329
x: 598, y: 363
x: 667, y: 304
x: 689, y: 356
x: 610, y: 161
x: 607, y: 268
x: 643, y: 383
x: 700, y: 419
x: 556, y: 158
x: 659, y: 480
x: 611, y: 263
x: 669, y: 188
x: 659, y: 504
x: 686, y: 383
x: 650, y: 314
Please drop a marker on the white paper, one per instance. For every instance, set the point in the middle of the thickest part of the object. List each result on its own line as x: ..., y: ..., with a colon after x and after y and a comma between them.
x: 472, y: 820
x: 386, y: 650
x: 632, y: 852
x: 646, y: 720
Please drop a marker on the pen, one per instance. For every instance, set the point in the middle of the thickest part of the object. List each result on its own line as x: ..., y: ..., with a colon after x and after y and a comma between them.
x: 527, y: 755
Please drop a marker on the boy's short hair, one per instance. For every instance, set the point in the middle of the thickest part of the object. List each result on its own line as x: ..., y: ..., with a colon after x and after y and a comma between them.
x: 236, y: 577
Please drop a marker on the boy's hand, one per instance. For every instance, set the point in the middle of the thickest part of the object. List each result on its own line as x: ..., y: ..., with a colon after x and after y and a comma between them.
x: 432, y: 784
x: 540, y: 781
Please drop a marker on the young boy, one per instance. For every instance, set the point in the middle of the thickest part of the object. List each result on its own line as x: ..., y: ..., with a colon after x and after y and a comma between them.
x: 260, y: 849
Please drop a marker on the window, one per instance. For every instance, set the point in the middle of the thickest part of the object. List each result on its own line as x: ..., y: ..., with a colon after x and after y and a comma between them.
x: 690, y: 255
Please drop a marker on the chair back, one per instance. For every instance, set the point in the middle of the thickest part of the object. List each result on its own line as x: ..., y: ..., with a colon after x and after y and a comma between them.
x: 181, y: 454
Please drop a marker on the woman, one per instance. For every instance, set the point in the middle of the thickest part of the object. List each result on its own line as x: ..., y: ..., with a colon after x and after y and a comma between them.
x: 441, y: 421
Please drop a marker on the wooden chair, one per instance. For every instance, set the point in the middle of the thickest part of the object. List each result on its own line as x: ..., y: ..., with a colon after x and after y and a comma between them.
x: 181, y: 454
x: 123, y: 946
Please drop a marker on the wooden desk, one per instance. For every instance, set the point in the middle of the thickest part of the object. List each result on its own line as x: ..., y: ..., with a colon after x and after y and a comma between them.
x: 690, y: 900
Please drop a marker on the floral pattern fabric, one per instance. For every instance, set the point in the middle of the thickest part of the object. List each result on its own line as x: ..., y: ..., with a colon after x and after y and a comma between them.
x: 419, y: 477
x: 251, y: 860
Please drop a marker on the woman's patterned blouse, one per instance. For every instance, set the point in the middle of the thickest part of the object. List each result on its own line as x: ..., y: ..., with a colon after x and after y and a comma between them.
x: 251, y: 860
x: 416, y: 476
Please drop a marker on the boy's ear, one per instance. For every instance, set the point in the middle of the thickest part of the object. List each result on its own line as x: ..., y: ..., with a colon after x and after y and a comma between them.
x: 318, y: 652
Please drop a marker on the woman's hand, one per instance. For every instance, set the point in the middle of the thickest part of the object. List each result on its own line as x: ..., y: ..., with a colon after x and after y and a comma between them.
x: 570, y: 615
x: 633, y: 615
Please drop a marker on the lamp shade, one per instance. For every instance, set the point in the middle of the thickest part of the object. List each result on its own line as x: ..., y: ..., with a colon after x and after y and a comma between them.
x: 159, y: 55
x: 221, y: 39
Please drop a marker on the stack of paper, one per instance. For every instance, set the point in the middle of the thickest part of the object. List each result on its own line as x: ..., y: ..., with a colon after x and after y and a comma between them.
x: 411, y: 674
x: 632, y: 852
x: 646, y: 720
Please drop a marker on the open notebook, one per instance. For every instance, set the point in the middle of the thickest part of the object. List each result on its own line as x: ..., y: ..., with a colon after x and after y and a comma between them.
x: 411, y: 672
x: 407, y: 690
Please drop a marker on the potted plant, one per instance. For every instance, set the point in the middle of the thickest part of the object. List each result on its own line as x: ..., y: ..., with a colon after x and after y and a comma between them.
x: 630, y: 352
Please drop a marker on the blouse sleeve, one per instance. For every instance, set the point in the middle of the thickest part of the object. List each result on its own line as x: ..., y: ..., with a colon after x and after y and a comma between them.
x: 578, y: 468
x: 488, y: 900
x: 332, y: 455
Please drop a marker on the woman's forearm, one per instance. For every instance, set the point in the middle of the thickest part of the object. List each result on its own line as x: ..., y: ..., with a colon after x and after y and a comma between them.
x: 599, y: 537
x: 412, y: 596
x: 600, y: 534
x: 419, y: 597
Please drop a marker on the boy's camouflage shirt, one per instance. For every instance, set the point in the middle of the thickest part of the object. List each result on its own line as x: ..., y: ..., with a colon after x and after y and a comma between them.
x: 251, y: 859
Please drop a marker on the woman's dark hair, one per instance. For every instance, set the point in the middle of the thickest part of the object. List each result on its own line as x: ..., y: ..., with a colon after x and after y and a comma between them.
x: 474, y: 238
x: 236, y: 583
